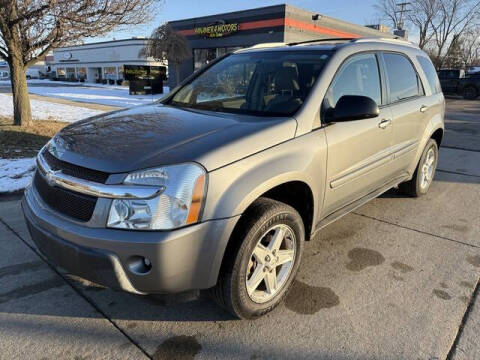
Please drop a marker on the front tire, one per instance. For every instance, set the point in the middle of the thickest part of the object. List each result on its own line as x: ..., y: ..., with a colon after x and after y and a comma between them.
x: 470, y: 93
x: 262, y: 261
x: 424, y: 173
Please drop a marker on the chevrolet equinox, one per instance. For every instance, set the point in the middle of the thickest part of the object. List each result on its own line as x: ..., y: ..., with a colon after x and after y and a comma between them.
x: 219, y: 184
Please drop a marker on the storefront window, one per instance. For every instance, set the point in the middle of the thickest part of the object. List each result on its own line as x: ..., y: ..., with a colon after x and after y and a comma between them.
x: 110, y: 72
x: 204, y: 56
x: 70, y: 73
x: 120, y: 73
x: 61, y: 72
x: 82, y: 73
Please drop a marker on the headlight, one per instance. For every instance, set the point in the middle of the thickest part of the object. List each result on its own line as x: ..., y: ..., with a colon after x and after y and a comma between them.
x: 179, y: 204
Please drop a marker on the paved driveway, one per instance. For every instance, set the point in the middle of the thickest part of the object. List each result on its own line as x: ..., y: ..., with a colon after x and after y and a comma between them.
x: 396, y: 279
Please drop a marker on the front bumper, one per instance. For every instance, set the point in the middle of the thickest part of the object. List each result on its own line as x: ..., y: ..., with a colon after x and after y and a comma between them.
x: 182, y: 259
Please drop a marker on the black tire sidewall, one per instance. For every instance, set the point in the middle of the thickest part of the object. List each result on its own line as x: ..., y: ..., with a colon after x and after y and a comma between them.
x: 242, y: 304
x: 431, y: 144
x: 474, y: 93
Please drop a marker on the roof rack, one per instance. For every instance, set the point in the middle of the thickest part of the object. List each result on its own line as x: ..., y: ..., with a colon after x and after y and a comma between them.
x: 263, y: 45
x: 394, y: 40
x: 319, y: 40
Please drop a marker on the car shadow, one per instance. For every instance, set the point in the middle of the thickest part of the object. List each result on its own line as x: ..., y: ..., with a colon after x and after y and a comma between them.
x: 182, y: 307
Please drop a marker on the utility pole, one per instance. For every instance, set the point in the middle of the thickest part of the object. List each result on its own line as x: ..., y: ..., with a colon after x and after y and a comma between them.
x: 402, y: 10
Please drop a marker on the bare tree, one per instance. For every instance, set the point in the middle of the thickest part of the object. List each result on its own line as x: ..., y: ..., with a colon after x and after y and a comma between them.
x: 421, y: 16
x: 453, y: 19
x: 167, y: 44
x: 29, y: 29
x: 439, y: 24
x: 387, y: 10
x: 470, y: 48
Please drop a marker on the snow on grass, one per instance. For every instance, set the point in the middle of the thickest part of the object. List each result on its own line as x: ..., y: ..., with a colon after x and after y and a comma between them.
x: 104, y: 96
x: 45, y: 110
x: 16, y: 174
x: 112, y: 95
x: 69, y: 83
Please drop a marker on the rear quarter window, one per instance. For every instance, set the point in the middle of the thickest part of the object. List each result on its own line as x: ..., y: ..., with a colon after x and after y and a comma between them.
x: 431, y: 74
x: 403, y: 81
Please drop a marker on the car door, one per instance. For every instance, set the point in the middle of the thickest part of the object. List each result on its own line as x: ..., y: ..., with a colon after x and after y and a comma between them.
x: 409, y: 106
x: 359, y: 152
x: 453, y: 77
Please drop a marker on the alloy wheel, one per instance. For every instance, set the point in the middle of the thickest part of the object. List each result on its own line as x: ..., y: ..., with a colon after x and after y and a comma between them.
x: 428, y: 169
x: 271, y: 263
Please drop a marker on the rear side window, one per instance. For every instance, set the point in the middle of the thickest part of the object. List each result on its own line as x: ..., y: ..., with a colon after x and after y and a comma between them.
x: 359, y: 75
x: 431, y: 74
x: 403, y: 81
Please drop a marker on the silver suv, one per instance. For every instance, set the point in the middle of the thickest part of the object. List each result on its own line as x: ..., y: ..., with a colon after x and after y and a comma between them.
x: 219, y: 184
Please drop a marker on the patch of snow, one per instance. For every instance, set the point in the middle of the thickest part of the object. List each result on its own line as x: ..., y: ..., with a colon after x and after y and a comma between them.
x: 16, y: 174
x: 113, y: 95
x: 6, y: 82
x: 45, y: 110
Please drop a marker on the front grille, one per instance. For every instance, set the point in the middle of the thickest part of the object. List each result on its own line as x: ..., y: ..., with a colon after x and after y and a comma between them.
x: 74, y: 170
x: 77, y: 206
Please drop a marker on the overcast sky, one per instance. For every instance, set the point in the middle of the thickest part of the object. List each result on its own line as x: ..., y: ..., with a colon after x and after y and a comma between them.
x: 356, y: 11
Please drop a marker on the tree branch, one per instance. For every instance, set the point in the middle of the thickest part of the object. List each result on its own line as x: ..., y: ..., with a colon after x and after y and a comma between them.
x: 28, y: 15
x: 3, y: 55
x: 40, y: 56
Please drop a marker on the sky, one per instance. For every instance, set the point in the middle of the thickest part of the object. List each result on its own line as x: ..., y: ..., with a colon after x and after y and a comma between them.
x: 355, y: 11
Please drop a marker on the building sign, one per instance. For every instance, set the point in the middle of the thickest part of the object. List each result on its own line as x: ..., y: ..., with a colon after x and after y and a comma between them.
x: 143, y: 72
x: 145, y: 79
x: 216, y: 30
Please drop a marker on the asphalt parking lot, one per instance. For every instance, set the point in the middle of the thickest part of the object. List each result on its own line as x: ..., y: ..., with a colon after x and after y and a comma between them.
x: 396, y: 279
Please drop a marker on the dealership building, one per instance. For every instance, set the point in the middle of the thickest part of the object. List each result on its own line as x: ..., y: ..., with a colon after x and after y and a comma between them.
x: 216, y: 35
x: 4, y: 71
x: 100, y: 61
x: 208, y: 37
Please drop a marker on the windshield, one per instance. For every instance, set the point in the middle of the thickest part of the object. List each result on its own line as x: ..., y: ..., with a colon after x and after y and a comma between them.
x: 274, y: 83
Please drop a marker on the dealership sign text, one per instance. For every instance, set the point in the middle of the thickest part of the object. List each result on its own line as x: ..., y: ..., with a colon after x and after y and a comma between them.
x: 216, y: 30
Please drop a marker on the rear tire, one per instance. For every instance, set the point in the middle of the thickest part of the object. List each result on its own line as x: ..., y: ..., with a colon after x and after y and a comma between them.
x: 424, y: 173
x: 470, y: 93
x: 250, y: 257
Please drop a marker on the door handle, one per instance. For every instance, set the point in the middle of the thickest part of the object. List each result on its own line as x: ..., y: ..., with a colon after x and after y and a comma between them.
x: 384, y: 123
x: 423, y: 108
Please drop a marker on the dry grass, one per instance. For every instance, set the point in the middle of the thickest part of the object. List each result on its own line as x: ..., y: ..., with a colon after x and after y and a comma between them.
x: 17, y: 141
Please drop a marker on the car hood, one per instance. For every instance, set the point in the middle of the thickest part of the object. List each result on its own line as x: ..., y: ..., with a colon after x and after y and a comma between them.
x: 155, y: 135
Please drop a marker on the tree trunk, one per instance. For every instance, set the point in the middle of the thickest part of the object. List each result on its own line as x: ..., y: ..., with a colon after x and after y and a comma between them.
x: 177, y: 74
x: 22, y: 113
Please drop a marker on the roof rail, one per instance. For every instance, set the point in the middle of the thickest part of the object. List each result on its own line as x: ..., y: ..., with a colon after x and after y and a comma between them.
x: 319, y: 40
x: 263, y: 45
x: 395, y: 40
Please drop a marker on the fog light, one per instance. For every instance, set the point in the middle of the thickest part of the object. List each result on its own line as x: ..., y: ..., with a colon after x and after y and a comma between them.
x: 139, y: 264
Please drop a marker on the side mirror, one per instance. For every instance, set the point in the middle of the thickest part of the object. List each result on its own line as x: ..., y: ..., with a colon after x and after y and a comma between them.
x: 355, y: 107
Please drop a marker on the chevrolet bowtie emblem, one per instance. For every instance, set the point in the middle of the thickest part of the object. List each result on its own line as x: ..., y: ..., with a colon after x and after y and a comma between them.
x: 50, y: 176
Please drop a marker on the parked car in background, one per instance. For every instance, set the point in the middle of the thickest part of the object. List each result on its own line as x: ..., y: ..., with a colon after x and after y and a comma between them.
x: 456, y: 82
x: 449, y: 79
x: 34, y: 72
x: 219, y: 185
x: 473, y: 70
x: 469, y: 86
